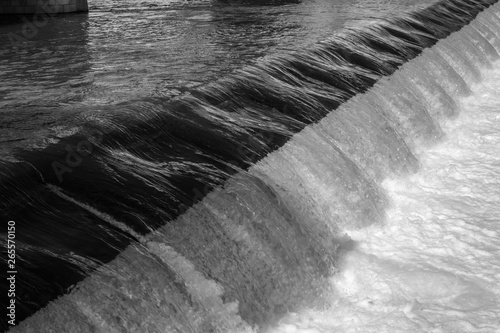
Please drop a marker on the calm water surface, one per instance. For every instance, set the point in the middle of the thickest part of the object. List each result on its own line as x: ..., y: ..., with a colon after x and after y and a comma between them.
x: 124, y: 50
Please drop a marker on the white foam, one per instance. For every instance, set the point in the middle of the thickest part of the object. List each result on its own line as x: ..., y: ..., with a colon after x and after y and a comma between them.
x: 435, y: 265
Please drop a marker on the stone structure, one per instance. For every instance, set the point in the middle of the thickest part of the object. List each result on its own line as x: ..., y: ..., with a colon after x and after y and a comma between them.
x: 50, y: 7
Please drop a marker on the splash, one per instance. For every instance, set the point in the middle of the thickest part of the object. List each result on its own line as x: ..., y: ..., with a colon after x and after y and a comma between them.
x: 284, y: 159
x: 434, y: 265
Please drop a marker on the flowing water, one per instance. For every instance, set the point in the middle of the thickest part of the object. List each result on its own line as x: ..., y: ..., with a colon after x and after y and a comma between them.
x: 348, y: 185
x: 434, y: 265
x: 70, y: 66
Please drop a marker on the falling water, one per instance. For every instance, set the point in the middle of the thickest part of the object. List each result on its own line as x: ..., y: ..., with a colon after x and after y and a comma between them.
x: 250, y: 199
x: 434, y: 265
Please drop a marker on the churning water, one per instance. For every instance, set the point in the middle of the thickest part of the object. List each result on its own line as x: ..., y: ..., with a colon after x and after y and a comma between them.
x: 434, y: 265
x: 349, y: 187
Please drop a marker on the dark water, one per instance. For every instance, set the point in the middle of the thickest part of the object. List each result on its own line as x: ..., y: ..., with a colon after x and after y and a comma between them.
x: 114, y: 123
x: 125, y: 50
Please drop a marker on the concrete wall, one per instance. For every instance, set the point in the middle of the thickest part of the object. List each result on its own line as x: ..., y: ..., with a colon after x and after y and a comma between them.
x: 42, y: 6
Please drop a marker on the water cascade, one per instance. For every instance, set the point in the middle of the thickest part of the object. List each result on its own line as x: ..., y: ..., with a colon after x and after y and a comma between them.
x: 226, y: 209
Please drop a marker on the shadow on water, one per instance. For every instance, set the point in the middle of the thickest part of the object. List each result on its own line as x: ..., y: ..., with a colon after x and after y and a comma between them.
x: 43, y: 57
x: 142, y: 165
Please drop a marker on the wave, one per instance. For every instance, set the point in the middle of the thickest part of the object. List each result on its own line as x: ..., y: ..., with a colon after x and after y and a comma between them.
x: 223, y: 209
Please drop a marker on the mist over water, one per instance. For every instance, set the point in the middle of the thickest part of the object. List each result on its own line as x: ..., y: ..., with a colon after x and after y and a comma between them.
x: 329, y: 188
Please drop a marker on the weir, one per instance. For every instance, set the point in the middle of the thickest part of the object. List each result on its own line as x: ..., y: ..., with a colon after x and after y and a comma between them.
x: 256, y: 228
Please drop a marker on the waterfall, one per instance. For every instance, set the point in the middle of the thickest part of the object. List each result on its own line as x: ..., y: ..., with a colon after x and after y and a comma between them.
x: 225, y: 209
